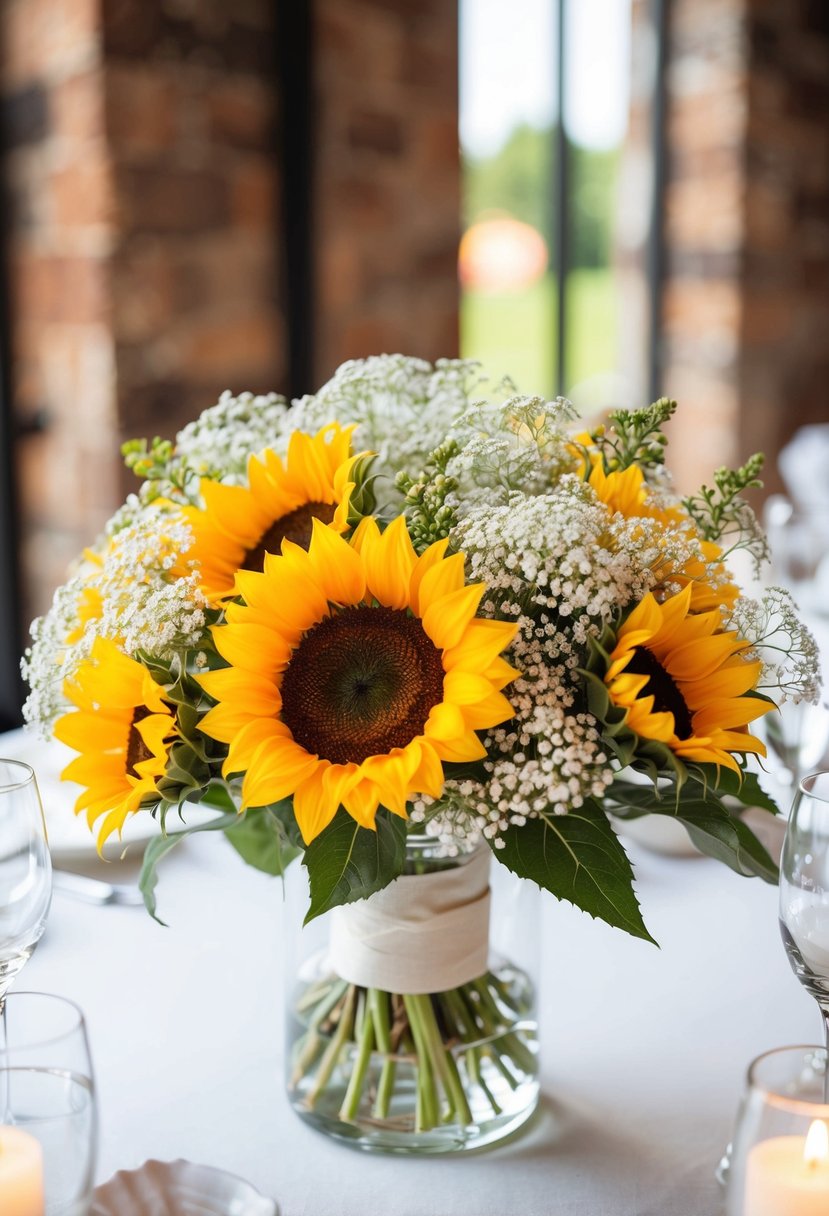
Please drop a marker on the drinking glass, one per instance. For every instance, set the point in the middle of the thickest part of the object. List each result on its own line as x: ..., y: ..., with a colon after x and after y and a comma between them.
x: 25, y: 870
x: 797, y: 739
x: 46, y: 1075
x: 780, y: 1159
x: 804, y: 890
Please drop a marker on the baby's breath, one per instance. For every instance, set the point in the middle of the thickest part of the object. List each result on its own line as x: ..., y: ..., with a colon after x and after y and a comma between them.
x: 788, y: 650
x: 143, y: 606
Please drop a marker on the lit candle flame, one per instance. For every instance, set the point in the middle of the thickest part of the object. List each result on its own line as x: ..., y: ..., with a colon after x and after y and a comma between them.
x: 816, y: 1148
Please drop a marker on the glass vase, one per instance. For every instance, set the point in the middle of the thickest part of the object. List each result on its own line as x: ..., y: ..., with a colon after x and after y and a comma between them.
x: 412, y: 1027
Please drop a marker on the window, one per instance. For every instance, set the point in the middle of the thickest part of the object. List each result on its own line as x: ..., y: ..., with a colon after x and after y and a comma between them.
x: 559, y: 119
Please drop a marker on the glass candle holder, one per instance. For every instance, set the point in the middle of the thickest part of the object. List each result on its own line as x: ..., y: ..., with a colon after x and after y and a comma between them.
x: 409, y: 1060
x: 780, y: 1156
x: 47, y: 1108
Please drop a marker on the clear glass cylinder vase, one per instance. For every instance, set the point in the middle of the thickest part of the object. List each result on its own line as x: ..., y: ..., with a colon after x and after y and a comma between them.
x: 438, y: 1070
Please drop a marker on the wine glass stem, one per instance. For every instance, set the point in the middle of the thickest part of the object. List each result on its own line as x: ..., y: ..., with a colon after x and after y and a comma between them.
x: 5, y: 1097
x: 825, y: 1012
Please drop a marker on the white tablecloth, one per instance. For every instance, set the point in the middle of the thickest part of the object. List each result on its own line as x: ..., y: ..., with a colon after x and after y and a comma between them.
x: 644, y: 1050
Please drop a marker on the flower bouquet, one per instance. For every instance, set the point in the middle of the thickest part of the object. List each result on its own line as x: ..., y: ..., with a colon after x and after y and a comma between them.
x: 395, y: 629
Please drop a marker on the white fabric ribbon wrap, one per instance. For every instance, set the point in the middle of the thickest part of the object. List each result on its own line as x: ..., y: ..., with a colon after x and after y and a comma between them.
x: 422, y: 933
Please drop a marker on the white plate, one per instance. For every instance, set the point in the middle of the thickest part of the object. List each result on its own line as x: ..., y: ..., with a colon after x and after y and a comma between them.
x: 70, y: 839
x: 179, y: 1188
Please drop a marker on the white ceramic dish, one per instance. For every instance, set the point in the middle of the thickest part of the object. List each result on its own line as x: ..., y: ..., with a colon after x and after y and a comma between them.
x: 179, y: 1188
x: 659, y: 834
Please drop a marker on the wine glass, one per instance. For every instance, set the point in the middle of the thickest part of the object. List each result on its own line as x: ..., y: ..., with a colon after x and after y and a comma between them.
x: 25, y: 870
x: 804, y: 891
x: 797, y: 739
x: 50, y: 1117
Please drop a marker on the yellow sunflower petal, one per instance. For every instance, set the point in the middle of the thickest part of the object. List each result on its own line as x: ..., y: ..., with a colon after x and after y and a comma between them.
x: 389, y: 560
x: 482, y: 642
x: 445, y: 722
x: 252, y: 647
x: 428, y: 776
x: 490, y: 711
x: 247, y: 742
x: 361, y: 802
x: 446, y: 620
x: 314, y: 804
x: 646, y: 618
x: 426, y: 562
x: 336, y: 566
x: 463, y: 749
x: 79, y: 730
x: 466, y: 688
x: 277, y: 768
x: 442, y: 579
x: 257, y: 693
x: 223, y: 722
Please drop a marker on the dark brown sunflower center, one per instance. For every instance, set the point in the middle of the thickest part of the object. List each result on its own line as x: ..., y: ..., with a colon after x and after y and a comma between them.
x: 137, y: 750
x: 296, y: 526
x: 361, y: 683
x: 666, y: 696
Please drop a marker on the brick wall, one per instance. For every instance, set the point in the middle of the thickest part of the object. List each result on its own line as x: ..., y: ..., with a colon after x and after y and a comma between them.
x: 784, y: 367
x: 146, y: 245
x: 60, y: 227
x: 191, y: 113
x: 386, y: 164
x: 704, y: 231
x: 746, y: 296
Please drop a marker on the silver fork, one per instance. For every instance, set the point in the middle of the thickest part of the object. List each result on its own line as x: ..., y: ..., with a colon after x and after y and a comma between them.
x: 95, y: 890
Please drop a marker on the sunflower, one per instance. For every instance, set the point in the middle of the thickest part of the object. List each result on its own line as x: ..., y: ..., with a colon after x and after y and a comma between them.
x: 122, y: 727
x: 356, y: 671
x: 238, y: 525
x: 683, y: 681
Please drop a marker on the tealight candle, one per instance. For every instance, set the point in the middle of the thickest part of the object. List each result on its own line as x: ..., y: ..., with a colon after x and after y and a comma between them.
x: 21, y: 1174
x: 789, y: 1175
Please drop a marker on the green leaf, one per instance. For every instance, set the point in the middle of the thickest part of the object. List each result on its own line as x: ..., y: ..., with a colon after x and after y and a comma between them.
x: 161, y: 846
x: 260, y: 839
x: 713, y: 828
x: 346, y: 862
x: 578, y: 857
x: 718, y: 833
x: 749, y: 791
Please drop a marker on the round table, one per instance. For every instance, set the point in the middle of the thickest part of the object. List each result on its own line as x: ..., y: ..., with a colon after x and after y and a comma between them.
x: 644, y: 1049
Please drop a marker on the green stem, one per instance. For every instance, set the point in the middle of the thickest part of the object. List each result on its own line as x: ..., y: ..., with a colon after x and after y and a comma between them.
x: 444, y: 1062
x: 328, y: 1004
x: 491, y: 1018
x: 332, y: 1052
x: 495, y: 1056
x: 378, y: 1004
x: 490, y: 1097
x: 365, y: 1039
x: 308, y: 1048
x: 428, y: 1113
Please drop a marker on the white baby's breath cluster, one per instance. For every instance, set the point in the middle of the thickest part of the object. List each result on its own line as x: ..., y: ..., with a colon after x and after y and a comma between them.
x: 223, y: 438
x: 43, y: 665
x: 401, y: 406
x: 785, y: 646
x: 141, y: 604
x: 566, y: 554
x: 564, y: 567
x: 520, y: 446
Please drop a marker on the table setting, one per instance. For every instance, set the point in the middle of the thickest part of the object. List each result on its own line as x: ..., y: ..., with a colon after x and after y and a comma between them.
x: 363, y: 704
